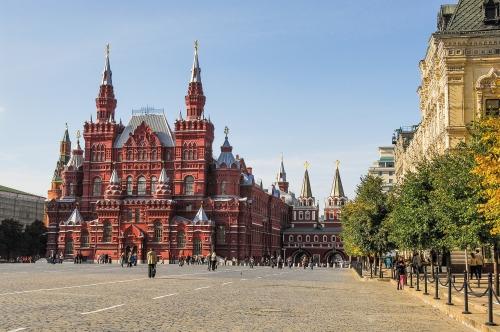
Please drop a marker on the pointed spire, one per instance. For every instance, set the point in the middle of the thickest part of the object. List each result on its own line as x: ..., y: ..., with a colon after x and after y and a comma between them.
x: 114, y: 177
x: 200, y: 215
x: 163, y: 176
x: 195, y: 99
x: 180, y: 115
x: 281, y: 177
x: 306, y: 184
x: 195, y: 71
x: 78, y: 135
x: 337, y: 188
x: 66, y: 134
x: 106, y: 74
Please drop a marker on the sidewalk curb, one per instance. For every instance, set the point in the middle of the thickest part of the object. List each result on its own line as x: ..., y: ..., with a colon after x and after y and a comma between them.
x: 475, y: 321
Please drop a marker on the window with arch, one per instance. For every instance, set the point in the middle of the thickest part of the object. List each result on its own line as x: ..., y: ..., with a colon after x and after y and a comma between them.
x: 158, y: 231
x: 130, y: 185
x: 301, y: 215
x: 308, y: 215
x: 189, y: 185
x: 181, y: 239
x: 223, y: 188
x: 168, y: 155
x: 308, y: 238
x: 290, y: 238
x: 97, y: 186
x: 316, y: 238
x: 325, y: 238
x: 154, y: 181
x: 197, y: 246
x: 129, y: 155
x: 84, y: 239
x: 72, y: 189
x: 106, y: 232
x: 299, y: 238
x: 314, y: 215
x: 333, y: 238
x: 141, y: 186
x: 68, y: 248
x: 153, y: 154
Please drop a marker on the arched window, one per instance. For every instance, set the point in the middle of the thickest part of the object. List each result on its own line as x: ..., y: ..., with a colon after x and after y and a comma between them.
x: 129, y: 155
x: 158, y: 231
x: 186, y: 154
x: 84, y: 239
x: 308, y: 238
x: 69, y: 246
x: 153, y: 154
x: 153, y: 184
x: 189, y: 185
x: 130, y: 186
x: 168, y: 155
x: 141, y: 186
x: 96, y: 189
x: 333, y: 238
x: 181, y: 239
x: 106, y: 232
x: 299, y: 238
x: 308, y: 215
x: 316, y: 238
x: 223, y: 188
x: 197, y: 246
x: 325, y: 238
x: 290, y: 238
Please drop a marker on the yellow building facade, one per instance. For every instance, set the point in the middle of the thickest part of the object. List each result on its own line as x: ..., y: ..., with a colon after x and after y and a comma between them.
x: 460, y: 81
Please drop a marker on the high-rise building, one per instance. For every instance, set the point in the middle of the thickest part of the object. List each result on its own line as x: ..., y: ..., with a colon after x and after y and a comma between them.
x: 20, y: 206
x: 384, y: 167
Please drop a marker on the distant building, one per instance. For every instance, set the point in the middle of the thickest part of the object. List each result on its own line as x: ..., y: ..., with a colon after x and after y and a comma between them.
x: 21, y: 206
x: 308, y: 234
x: 384, y: 167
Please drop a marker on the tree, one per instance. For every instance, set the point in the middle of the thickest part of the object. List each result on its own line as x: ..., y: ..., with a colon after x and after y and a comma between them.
x: 363, y: 232
x: 411, y: 224
x: 35, y: 239
x: 11, y: 233
x: 486, y: 145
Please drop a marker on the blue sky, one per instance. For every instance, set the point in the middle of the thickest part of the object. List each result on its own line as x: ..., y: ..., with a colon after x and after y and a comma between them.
x: 316, y: 81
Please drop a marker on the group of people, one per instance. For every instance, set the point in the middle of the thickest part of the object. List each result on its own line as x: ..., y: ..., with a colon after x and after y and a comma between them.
x: 54, y: 258
x: 476, y: 263
x: 78, y: 259
x: 129, y: 259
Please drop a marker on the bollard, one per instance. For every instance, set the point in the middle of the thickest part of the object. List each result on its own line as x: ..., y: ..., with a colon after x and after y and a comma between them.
x: 436, y: 277
x: 449, y: 289
x: 490, y: 301
x: 425, y: 281
x: 466, y: 296
x: 411, y: 279
x: 418, y: 281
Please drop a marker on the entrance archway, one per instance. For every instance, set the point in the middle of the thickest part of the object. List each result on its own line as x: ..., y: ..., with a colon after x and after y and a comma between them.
x: 334, y: 257
x: 298, y: 256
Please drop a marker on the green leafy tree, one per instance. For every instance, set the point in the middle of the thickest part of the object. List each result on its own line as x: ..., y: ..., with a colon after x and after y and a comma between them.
x: 363, y: 231
x: 11, y: 234
x: 35, y: 239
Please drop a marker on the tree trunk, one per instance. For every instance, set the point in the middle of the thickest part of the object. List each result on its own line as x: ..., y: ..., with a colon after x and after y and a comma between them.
x: 381, y: 275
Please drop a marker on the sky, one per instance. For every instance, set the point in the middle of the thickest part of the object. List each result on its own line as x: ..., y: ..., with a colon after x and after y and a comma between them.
x: 315, y: 81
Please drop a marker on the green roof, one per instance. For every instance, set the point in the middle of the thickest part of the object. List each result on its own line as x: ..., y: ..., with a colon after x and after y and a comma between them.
x: 386, y: 158
x: 15, y: 191
x: 468, y: 16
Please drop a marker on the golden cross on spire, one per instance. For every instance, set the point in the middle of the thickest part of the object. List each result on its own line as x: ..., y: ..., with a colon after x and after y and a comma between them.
x: 306, y: 165
x: 226, y: 130
x: 337, y: 163
x: 106, y: 52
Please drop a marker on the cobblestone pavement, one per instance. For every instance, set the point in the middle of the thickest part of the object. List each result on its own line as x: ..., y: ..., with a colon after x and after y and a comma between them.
x: 43, y: 297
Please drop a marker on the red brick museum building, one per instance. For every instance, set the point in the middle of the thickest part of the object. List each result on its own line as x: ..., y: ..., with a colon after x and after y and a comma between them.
x: 143, y: 185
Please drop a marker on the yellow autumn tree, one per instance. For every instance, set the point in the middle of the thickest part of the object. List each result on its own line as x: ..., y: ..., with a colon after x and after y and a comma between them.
x: 486, y: 143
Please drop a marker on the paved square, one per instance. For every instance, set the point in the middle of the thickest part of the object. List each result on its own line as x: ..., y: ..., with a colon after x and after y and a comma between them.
x: 43, y: 297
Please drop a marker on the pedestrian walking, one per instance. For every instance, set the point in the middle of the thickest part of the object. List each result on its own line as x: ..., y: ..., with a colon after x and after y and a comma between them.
x: 472, y: 265
x: 479, y: 264
x: 213, y: 260
x: 401, y: 274
x: 289, y: 261
x: 152, y: 260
